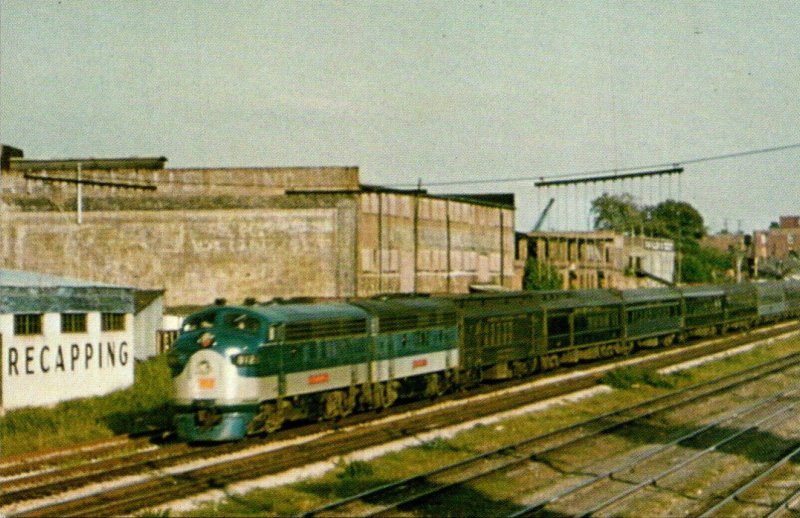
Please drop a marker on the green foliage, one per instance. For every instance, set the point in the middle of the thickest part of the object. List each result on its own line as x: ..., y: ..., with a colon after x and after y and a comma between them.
x: 356, y: 469
x: 617, y: 212
x: 670, y: 219
x: 540, y: 276
x: 142, y: 407
x: 703, y: 265
x: 673, y: 220
x: 628, y: 377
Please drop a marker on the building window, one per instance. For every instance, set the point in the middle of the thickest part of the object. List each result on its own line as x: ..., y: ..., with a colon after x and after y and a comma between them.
x: 28, y: 324
x: 112, y: 322
x: 73, y: 322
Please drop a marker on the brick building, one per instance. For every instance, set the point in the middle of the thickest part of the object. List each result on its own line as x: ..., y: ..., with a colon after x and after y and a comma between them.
x: 602, y: 259
x: 780, y: 242
x: 248, y: 232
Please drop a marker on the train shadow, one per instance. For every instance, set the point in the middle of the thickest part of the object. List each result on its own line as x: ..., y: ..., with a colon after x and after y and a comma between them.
x: 140, y: 422
x: 755, y: 445
x: 463, y: 501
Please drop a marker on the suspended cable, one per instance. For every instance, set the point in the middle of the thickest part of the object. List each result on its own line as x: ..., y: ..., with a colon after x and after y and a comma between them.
x: 541, y: 177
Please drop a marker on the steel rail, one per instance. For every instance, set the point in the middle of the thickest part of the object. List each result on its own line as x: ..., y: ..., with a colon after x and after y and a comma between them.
x: 597, y: 478
x: 647, y: 455
x: 755, y: 480
x: 653, y: 481
x: 784, y: 504
x: 770, y: 366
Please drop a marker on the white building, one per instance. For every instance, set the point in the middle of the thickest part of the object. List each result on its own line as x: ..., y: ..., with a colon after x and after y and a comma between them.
x: 62, y: 338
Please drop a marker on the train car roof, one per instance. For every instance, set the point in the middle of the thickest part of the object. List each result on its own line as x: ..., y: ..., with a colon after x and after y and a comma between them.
x: 584, y: 298
x: 742, y: 286
x: 702, y: 291
x: 649, y: 294
x: 398, y: 306
x: 768, y: 286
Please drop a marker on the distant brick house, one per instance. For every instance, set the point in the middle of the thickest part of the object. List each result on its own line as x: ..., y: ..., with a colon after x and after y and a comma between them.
x: 781, y: 242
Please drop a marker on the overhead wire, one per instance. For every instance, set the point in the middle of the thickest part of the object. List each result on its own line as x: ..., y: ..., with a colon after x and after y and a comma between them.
x: 609, y: 171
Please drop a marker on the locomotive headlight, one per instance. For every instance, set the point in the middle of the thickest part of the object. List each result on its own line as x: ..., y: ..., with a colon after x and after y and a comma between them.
x: 242, y: 360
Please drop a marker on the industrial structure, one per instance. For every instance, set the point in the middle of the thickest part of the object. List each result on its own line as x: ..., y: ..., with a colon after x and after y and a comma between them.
x: 240, y: 233
x: 602, y: 259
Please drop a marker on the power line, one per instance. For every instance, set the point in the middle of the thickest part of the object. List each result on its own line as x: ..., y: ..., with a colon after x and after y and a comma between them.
x: 608, y: 171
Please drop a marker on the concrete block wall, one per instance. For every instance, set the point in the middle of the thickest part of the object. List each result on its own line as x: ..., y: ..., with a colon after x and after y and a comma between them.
x: 196, y: 256
x: 261, y: 181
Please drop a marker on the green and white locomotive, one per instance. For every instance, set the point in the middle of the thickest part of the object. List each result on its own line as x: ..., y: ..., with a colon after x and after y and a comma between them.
x: 246, y: 369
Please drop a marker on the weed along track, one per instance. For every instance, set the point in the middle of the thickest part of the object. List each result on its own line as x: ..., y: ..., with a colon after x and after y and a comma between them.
x: 143, y: 479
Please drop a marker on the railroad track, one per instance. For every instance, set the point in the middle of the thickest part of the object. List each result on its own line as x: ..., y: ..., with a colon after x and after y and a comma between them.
x: 168, y: 474
x: 18, y: 465
x: 766, y: 492
x: 413, y: 494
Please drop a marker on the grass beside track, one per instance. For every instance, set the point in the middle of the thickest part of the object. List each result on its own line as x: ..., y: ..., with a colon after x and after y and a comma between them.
x: 633, y: 385
x: 142, y: 407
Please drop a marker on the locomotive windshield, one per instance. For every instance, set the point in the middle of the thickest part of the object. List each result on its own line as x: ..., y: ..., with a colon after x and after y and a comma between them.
x: 204, y: 321
x: 228, y: 319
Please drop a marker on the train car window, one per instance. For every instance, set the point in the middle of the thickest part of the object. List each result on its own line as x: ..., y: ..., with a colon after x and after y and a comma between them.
x: 558, y: 325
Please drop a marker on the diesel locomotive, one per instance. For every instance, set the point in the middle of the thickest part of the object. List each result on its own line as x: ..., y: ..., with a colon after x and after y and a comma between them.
x: 241, y: 370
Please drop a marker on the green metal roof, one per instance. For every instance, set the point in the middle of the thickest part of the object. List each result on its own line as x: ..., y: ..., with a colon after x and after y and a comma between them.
x: 31, y: 292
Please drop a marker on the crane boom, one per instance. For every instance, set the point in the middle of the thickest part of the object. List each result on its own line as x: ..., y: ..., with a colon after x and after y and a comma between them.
x: 543, y: 215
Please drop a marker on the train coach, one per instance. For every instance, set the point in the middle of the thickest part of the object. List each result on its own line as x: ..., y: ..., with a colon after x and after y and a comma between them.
x: 242, y: 370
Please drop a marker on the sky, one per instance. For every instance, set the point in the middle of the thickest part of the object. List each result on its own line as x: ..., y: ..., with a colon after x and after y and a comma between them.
x: 424, y: 91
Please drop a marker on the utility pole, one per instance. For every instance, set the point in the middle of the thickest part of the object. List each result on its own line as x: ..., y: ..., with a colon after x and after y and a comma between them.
x: 80, y: 197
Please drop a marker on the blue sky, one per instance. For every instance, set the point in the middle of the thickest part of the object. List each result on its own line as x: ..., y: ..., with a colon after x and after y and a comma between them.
x: 437, y: 91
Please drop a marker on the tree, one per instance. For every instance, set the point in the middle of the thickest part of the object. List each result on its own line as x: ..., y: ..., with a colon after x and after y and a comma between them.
x: 540, y: 276
x: 674, y: 220
x: 617, y: 212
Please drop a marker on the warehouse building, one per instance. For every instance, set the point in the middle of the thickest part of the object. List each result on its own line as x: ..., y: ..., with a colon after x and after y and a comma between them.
x: 62, y: 338
x: 238, y: 233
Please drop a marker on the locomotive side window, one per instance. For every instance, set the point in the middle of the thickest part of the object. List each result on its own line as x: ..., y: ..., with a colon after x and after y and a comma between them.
x: 242, y: 322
